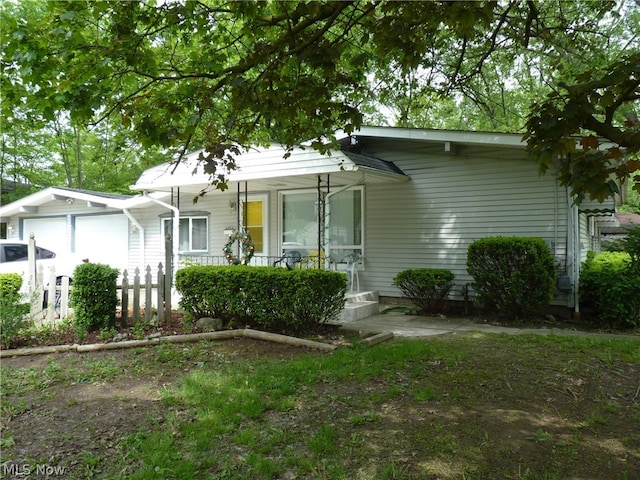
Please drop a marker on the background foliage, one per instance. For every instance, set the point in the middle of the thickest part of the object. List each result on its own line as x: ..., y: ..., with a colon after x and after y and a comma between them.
x: 221, y: 74
x: 610, y: 289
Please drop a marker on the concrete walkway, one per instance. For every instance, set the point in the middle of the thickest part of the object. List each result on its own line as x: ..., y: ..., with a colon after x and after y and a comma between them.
x: 402, y: 325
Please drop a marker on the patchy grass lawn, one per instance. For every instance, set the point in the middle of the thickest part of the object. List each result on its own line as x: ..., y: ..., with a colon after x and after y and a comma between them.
x: 451, y: 407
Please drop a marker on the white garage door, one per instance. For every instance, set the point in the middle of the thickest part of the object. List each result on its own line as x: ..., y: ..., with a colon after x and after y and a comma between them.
x: 103, y: 239
x: 50, y: 233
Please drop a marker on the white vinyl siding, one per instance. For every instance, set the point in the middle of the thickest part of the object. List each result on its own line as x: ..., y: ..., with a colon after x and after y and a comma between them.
x: 154, y: 241
x: 585, y: 236
x: 451, y: 201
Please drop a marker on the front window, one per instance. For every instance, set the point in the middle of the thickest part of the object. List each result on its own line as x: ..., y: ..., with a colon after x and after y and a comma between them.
x: 300, y: 213
x: 345, y: 224
x: 193, y: 233
x: 300, y: 221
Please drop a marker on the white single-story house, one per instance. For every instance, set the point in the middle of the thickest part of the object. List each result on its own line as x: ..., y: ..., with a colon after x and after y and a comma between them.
x: 401, y: 198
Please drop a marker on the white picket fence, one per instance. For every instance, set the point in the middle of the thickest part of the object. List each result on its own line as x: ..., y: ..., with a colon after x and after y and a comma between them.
x: 138, y: 298
x: 41, y: 288
x: 49, y: 297
x: 131, y: 296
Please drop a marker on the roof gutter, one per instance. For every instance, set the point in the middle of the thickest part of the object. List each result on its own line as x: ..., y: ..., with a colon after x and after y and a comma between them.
x: 140, y: 236
x: 175, y: 234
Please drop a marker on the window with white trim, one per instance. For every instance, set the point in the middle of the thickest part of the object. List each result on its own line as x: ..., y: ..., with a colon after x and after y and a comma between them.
x: 345, y: 222
x: 193, y: 232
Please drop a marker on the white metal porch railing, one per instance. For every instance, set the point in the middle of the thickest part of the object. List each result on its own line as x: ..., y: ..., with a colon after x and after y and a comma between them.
x: 309, y: 261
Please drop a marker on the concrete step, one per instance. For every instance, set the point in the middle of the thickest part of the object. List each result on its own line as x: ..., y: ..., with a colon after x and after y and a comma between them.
x: 359, y: 305
x: 358, y: 310
x: 362, y: 297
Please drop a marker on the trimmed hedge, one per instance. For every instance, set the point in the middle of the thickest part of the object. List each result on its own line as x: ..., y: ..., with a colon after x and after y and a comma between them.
x: 94, y: 297
x: 516, y: 275
x: 631, y: 245
x: 10, y: 284
x: 610, y: 288
x: 274, y: 299
x: 427, y: 288
x: 12, y: 310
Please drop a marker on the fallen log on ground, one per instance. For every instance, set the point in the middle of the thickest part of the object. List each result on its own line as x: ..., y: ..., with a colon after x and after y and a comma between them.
x: 194, y: 337
x: 379, y: 338
x: 296, y: 342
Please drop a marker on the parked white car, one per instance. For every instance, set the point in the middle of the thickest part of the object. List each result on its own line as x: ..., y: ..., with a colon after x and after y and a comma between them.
x: 14, y: 259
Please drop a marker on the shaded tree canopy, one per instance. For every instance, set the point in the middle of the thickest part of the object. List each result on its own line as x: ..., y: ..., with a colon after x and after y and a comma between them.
x: 36, y: 154
x: 221, y: 74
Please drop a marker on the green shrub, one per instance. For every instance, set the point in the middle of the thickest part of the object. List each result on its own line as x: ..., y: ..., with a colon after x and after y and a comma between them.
x: 94, y: 297
x: 631, y: 245
x: 10, y: 284
x: 274, y: 299
x: 427, y: 288
x: 516, y: 275
x: 610, y: 289
x: 13, y: 310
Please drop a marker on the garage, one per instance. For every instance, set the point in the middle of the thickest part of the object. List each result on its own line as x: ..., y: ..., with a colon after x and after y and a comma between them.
x: 103, y: 239
x: 50, y: 232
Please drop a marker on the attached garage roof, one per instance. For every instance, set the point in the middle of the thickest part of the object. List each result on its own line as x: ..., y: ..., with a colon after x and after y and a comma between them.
x: 113, y: 196
x: 31, y: 203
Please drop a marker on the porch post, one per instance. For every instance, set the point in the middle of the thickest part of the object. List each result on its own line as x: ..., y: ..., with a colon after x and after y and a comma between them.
x: 175, y: 230
x: 327, y: 202
x: 238, y: 207
x: 320, y: 219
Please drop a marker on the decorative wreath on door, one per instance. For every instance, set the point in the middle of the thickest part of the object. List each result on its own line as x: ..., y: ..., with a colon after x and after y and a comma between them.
x: 246, y: 245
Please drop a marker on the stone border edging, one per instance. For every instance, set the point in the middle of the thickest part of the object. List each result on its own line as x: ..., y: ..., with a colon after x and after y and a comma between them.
x: 194, y: 337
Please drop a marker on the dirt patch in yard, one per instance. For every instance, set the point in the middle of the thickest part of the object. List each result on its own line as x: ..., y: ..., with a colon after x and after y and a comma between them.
x: 83, y: 405
x: 498, y: 411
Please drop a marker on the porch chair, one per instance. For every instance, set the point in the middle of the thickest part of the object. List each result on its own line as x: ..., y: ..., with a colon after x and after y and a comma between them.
x: 313, y: 260
x: 289, y: 258
x: 352, y: 260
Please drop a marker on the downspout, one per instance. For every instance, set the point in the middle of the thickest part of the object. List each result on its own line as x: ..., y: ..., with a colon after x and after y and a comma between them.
x: 574, y: 253
x: 175, y: 235
x: 327, y: 214
x: 131, y: 218
x: 576, y: 262
x: 555, y: 219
